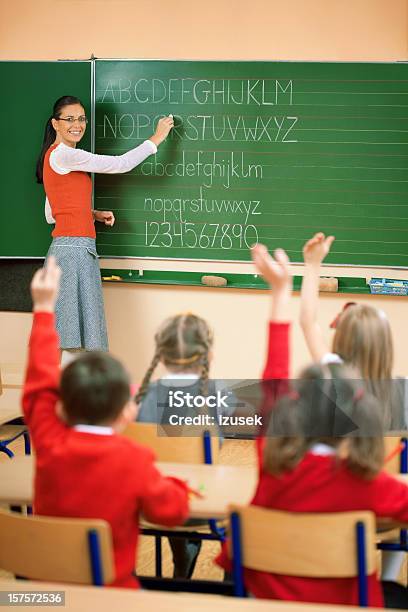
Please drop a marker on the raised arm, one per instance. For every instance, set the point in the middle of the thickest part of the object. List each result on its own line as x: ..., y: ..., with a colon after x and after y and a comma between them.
x: 40, y: 393
x: 276, y: 272
x: 314, y: 251
x: 64, y: 159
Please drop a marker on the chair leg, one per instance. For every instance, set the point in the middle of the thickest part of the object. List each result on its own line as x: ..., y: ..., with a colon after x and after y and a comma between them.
x: 217, y: 531
x: 361, y: 565
x: 27, y: 444
x: 158, y: 555
x: 95, y: 557
x: 237, y: 571
x: 6, y: 450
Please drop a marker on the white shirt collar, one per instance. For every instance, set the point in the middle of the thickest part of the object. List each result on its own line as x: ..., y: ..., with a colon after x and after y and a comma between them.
x: 181, y: 376
x: 322, y: 450
x: 94, y: 429
x: 182, y: 379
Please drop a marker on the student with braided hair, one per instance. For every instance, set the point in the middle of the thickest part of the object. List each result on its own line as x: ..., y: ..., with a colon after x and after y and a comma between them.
x: 184, y: 347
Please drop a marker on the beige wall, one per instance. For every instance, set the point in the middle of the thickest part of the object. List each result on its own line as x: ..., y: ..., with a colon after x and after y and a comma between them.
x: 215, y: 29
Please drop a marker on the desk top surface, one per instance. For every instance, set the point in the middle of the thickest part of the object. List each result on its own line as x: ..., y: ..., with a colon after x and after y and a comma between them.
x: 10, y: 404
x: 80, y: 598
x: 220, y: 485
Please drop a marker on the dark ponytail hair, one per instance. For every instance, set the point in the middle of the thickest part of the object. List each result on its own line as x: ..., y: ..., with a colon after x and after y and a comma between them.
x: 50, y: 134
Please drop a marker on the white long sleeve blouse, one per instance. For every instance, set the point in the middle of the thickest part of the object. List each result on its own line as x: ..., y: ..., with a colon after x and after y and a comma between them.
x: 65, y: 159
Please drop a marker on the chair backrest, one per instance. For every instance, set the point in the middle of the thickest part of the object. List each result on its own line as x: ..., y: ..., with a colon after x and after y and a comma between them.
x: 54, y: 549
x: 177, y: 447
x: 395, y: 448
x: 392, y: 454
x: 309, y: 545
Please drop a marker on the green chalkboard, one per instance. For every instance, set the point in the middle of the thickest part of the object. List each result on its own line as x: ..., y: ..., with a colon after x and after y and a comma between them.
x: 29, y: 90
x: 268, y: 151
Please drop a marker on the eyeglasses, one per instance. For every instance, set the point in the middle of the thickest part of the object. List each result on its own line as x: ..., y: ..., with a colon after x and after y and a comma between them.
x: 81, y: 119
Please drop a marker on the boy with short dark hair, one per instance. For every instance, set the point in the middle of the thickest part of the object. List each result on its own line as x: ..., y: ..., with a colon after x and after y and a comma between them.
x: 83, y: 467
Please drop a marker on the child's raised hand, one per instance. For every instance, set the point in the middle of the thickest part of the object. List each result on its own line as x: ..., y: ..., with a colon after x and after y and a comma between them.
x: 45, y: 286
x: 316, y: 249
x: 275, y: 270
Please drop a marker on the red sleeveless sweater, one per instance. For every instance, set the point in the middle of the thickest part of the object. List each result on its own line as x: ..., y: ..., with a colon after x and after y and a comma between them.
x: 70, y: 198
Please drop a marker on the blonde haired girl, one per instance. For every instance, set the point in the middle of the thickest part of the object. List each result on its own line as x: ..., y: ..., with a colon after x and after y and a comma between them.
x: 362, y: 338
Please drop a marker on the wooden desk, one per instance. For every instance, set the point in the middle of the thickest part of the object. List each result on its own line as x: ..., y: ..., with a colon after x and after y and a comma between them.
x: 10, y: 404
x: 84, y: 599
x: 221, y: 484
x: 16, y: 481
x: 12, y: 375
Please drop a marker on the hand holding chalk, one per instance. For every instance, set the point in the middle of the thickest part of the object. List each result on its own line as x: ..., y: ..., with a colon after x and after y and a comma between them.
x: 164, y: 125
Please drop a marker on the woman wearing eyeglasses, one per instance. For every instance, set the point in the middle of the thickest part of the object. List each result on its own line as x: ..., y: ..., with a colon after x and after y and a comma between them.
x: 64, y: 169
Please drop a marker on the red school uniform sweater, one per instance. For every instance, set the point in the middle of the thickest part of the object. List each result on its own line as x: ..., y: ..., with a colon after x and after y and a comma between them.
x: 323, y: 484
x: 317, y: 484
x: 70, y: 198
x: 86, y: 475
x: 274, y: 376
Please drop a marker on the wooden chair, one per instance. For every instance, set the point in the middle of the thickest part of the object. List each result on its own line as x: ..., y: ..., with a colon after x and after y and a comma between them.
x: 332, y: 545
x: 10, y: 432
x: 56, y: 549
x: 396, y: 449
x: 177, y: 448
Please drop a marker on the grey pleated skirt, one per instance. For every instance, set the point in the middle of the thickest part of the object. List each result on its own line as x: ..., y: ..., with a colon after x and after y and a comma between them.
x: 80, y: 312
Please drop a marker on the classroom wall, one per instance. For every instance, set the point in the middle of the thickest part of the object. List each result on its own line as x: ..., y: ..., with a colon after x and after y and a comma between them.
x: 215, y: 29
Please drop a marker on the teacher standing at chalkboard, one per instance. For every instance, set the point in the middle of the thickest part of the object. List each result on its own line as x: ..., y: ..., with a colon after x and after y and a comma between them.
x: 64, y: 169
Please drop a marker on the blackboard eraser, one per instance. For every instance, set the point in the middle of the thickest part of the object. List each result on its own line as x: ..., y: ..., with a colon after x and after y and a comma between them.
x: 329, y: 284
x: 214, y: 281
